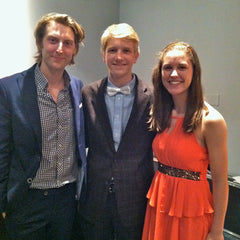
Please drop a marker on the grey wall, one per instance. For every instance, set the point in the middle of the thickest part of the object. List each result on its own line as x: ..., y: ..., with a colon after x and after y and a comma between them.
x: 211, y: 26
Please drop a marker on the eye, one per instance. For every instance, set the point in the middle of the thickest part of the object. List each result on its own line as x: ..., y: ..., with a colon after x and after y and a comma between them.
x: 126, y: 50
x: 111, y: 50
x: 182, y: 67
x: 167, y: 67
x: 52, y: 40
x: 68, y: 43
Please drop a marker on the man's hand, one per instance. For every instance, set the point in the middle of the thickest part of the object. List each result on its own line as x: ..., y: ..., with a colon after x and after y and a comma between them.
x: 3, y: 215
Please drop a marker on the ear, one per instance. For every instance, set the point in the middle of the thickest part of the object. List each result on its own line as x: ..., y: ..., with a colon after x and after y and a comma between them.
x: 103, y: 56
x: 136, y: 56
x: 75, y: 52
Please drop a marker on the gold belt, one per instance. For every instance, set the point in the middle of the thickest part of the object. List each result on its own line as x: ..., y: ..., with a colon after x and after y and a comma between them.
x: 177, y: 172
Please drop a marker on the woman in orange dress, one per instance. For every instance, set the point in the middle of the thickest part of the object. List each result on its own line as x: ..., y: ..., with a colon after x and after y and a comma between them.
x: 191, y: 136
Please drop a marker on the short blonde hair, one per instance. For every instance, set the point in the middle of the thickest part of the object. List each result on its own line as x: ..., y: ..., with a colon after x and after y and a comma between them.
x: 121, y: 30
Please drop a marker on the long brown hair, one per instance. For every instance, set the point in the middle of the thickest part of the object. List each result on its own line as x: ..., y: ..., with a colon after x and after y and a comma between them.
x: 163, y: 101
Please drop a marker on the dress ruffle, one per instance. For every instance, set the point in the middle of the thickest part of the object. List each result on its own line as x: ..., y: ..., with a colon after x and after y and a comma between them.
x: 180, y: 197
x: 179, y: 208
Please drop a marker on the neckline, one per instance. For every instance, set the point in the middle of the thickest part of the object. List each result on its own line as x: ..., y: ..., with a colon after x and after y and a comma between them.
x: 177, y: 117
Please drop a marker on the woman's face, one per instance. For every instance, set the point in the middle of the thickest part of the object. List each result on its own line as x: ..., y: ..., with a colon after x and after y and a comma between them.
x: 177, y: 72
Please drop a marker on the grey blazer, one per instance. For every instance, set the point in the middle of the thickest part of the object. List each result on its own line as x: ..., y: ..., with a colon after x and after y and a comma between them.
x: 131, y: 165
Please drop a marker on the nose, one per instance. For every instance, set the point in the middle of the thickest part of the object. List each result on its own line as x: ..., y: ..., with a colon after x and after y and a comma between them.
x: 60, y: 47
x: 119, y: 55
x: 174, y: 73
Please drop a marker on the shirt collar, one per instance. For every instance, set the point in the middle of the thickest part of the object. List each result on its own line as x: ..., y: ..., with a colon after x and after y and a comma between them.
x: 42, y: 82
x: 131, y: 84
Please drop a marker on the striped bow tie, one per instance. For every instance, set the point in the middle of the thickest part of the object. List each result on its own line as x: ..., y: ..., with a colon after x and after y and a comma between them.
x: 112, y: 91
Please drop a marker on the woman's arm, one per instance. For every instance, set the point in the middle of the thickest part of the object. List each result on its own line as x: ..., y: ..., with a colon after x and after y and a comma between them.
x: 215, y: 135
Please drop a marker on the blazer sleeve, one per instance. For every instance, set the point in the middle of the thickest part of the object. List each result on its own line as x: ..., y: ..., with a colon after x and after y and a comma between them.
x: 5, y: 145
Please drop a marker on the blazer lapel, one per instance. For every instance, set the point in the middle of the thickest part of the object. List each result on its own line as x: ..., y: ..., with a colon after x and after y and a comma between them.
x: 139, y: 106
x: 30, y: 104
x: 101, y: 111
x: 76, y: 99
x: 140, y: 102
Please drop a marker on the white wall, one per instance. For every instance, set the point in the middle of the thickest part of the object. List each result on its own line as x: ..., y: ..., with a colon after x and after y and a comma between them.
x: 19, y: 17
x: 16, y: 37
x: 212, y: 27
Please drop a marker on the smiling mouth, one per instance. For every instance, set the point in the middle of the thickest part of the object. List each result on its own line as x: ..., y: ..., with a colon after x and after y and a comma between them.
x: 119, y: 64
x: 58, y: 58
x: 173, y: 82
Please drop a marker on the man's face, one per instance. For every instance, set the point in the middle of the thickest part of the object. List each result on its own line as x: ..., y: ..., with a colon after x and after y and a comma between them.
x: 119, y: 56
x: 58, y: 47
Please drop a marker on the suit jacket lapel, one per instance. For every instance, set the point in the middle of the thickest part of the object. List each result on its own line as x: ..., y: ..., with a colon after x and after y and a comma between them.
x: 101, y: 111
x: 76, y: 94
x: 30, y: 104
x: 140, y: 103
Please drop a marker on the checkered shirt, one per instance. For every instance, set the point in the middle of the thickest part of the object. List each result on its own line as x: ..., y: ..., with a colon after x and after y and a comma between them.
x: 58, y: 165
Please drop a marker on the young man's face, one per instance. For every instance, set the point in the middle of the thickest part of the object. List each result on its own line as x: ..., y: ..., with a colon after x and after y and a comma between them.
x: 58, y: 47
x: 119, y: 56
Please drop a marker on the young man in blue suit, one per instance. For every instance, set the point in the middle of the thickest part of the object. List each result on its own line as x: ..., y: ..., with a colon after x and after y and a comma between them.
x: 120, y: 160
x: 42, y: 145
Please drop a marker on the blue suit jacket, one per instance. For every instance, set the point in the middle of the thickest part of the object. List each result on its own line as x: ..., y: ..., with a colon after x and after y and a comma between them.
x: 20, y: 135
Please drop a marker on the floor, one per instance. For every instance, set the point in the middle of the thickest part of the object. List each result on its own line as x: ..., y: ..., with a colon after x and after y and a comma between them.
x: 229, y: 236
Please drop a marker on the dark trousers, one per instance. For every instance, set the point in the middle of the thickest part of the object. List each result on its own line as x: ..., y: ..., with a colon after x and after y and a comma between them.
x: 110, y: 227
x: 43, y: 215
x: 3, y: 232
x: 77, y: 231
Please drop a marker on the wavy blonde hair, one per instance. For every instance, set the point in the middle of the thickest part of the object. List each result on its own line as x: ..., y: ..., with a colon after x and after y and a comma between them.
x: 64, y: 19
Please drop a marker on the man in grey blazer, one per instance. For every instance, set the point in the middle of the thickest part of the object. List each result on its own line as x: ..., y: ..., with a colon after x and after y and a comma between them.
x: 120, y: 161
x: 42, y: 142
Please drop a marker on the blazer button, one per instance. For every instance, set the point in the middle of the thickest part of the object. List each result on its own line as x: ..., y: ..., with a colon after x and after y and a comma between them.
x: 29, y: 180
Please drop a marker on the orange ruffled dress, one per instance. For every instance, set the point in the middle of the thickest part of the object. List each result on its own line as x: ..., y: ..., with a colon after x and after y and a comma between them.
x: 179, y: 208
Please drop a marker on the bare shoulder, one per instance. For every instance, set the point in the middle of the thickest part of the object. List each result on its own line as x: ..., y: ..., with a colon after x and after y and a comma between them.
x: 213, y: 120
